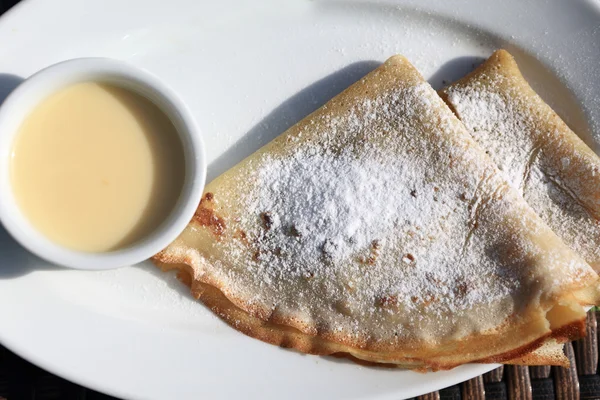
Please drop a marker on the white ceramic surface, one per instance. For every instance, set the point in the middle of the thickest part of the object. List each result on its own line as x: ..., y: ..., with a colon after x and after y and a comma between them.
x: 248, y: 70
x: 19, y: 104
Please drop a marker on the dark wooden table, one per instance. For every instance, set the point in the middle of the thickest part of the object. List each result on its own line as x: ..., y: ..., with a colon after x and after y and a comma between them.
x: 20, y: 379
x: 6, y: 4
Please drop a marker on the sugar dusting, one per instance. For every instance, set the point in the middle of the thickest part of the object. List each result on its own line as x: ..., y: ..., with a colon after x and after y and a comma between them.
x: 339, y: 203
x: 530, y: 154
x: 485, y: 112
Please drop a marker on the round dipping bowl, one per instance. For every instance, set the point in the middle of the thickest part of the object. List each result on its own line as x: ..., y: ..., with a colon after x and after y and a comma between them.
x: 48, y: 81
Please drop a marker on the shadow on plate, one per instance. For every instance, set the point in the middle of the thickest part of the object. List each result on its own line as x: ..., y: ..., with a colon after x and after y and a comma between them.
x: 15, y: 261
x: 169, y: 277
x: 288, y: 113
x: 453, y: 70
x: 8, y: 83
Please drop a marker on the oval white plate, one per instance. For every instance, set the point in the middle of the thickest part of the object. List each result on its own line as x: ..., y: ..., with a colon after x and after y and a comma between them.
x: 249, y: 70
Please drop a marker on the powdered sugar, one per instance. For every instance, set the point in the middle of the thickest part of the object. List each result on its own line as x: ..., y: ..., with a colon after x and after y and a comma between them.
x: 339, y: 203
x: 538, y: 154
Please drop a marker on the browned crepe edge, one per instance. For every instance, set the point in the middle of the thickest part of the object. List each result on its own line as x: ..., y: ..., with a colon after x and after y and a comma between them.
x: 288, y: 337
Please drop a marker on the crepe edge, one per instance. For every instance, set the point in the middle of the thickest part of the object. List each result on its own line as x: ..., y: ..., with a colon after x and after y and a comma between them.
x: 545, y: 350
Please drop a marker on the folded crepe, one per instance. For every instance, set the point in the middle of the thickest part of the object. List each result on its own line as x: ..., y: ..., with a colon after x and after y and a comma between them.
x: 554, y: 170
x: 377, y: 228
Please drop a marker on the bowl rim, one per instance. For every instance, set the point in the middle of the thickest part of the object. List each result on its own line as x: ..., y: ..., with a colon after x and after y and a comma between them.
x: 39, y: 86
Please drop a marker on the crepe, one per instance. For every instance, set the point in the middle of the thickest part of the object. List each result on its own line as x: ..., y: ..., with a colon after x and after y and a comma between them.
x: 554, y: 170
x: 377, y: 228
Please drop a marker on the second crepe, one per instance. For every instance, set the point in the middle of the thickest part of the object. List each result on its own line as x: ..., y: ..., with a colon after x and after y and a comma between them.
x: 554, y: 170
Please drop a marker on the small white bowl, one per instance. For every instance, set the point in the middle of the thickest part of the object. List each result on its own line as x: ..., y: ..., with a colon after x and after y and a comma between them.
x: 51, y: 79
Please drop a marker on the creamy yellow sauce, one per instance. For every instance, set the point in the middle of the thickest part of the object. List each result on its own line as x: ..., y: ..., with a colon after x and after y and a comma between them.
x: 96, y: 167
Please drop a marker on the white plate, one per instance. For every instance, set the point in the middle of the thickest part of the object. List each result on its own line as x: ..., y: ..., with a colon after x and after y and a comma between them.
x: 250, y: 69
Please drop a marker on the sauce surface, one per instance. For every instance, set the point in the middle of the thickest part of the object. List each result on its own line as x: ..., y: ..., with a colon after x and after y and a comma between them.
x: 96, y: 167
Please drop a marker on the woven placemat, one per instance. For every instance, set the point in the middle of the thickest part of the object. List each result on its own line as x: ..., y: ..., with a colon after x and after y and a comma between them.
x: 581, y: 381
